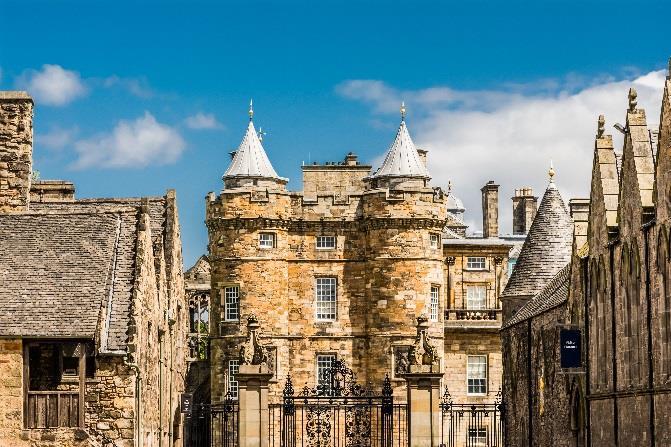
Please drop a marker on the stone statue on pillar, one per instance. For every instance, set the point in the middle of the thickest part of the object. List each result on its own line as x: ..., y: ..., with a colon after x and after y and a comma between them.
x: 424, y: 356
x: 252, y: 352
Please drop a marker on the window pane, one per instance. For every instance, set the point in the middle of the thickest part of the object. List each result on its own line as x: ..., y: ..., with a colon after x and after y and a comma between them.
x: 326, y: 298
x: 475, y: 262
x: 435, y: 294
x: 476, y: 297
x: 476, y: 371
x: 232, y: 303
x: 324, y: 363
x: 477, y: 437
x: 233, y: 368
x: 435, y: 240
x: 266, y: 240
x: 326, y: 241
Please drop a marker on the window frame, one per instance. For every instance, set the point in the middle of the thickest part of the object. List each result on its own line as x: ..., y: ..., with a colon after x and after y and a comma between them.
x: 319, y: 300
x: 325, y: 237
x: 469, y: 265
x: 233, y: 364
x: 434, y: 240
x: 469, y: 378
x: 469, y: 287
x: 477, y: 436
x: 434, y: 303
x: 227, y: 318
x: 334, y: 357
x: 273, y: 240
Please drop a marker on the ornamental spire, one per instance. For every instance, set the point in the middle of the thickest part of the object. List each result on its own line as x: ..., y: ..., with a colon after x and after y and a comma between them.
x: 551, y: 175
x: 402, y: 110
x: 251, y: 109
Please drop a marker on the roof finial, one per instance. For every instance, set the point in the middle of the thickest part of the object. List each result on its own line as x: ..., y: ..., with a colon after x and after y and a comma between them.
x: 261, y: 134
x: 251, y: 109
x: 600, y: 126
x: 551, y: 172
x: 402, y: 110
x: 449, y: 186
x: 632, y: 99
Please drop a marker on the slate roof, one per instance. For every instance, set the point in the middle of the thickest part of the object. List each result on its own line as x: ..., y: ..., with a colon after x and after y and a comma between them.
x: 402, y: 158
x: 56, y: 273
x: 552, y: 295
x: 546, y: 250
x: 250, y: 160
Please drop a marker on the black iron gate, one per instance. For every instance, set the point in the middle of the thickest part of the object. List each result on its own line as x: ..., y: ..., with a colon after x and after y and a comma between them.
x: 472, y: 425
x: 338, y: 412
x: 212, y: 425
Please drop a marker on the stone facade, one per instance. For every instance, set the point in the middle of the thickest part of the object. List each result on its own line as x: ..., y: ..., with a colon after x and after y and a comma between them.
x: 387, y: 243
x: 116, y: 319
x: 617, y: 294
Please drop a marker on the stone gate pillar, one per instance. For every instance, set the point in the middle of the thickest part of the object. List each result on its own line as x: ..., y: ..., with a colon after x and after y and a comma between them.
x: 253, y: 377
x: 423, y: 384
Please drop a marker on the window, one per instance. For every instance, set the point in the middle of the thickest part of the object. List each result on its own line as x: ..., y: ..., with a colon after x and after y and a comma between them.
x: 326, y: 242
x: 477, y: 437
x: 435, y: 240
x: 476, y: 297
x: 266, y: 240
x: 435, y: 294
x: 324, y: 363
x: 476, y: 371
x: 232, y: 303
x: 511, y: 266
x: 233, y: 368
x: 475, y: 263
x: 326, y: 299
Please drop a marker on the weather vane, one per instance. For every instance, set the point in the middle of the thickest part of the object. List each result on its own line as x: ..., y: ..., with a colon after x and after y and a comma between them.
x: 261, y: 134
x: 251, y: 109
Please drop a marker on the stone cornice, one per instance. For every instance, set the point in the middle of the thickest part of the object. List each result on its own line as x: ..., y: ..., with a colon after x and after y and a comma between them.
x: 299, y: 225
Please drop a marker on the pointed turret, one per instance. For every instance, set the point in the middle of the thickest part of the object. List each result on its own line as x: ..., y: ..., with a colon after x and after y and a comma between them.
x: 546, y: 250
x: 250, y: 164
x: 403, y: 162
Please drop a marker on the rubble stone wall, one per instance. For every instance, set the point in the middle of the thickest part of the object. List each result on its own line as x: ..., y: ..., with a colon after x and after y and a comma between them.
x: 16, y: 149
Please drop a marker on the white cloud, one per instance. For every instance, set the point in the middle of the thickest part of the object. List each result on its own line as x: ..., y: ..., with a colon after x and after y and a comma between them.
x: 136, y: 86
x: 131, y: 144
x: 511, y: 135
x: 52, y: 85
x: 201, y: 121
x: 56, y: 138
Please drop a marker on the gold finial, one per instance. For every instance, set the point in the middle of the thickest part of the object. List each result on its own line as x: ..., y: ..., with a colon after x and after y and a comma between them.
x: 261, y: 134
x: 632, y: 99
x: 600, y: 126
x: 251, y: 109
x: 551, y: 172
x: 402, y: 110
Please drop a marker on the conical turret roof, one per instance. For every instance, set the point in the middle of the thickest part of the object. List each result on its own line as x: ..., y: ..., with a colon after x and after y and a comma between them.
x: 402, y: 158
x: 547, y: 248
x: 250, y: 159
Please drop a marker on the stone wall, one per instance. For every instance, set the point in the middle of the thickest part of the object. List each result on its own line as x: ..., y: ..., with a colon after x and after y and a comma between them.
x: 16, y: 148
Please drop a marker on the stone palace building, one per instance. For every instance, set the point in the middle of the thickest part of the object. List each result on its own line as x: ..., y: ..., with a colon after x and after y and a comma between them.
x: 93, y: 319
x: 606, y: 275
x: 343, y: 270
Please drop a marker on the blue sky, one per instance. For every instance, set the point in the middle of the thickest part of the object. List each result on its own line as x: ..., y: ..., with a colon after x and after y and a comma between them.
x: 137, y: 97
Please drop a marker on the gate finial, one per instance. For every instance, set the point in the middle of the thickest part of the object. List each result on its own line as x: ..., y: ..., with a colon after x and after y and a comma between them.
x: 252, y: 352
x: 423, y: 353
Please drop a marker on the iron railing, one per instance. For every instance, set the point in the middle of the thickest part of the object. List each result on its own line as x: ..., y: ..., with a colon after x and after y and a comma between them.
x: 472, y: 425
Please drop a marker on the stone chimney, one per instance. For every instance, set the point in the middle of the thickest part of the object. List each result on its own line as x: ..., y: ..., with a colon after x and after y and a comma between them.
x: 490, y: 210
x: 16, y: 150
x: 422, y: 155
x: 524, y: 209
x: 579, y: 209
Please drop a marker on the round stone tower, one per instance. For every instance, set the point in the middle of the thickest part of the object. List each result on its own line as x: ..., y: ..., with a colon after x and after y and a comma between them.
x: 403, y: 219
x: 248, y: 245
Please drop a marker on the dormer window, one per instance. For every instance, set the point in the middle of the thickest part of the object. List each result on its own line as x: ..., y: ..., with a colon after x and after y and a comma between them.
x: 266, y: 240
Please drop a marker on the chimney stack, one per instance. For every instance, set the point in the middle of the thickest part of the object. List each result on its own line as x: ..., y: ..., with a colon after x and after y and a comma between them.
x: 16, y: 150
x: 422, y: 155
x: 490, y: 210
x: 524, y: 209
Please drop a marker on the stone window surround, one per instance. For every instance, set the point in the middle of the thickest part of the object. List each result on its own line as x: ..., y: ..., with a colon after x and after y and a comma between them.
x: 320, y: 240
x: 469, y: 267
x: 477, y: 436
x: 486, y: 378
x: 317, y: 277
x: 267, y: 240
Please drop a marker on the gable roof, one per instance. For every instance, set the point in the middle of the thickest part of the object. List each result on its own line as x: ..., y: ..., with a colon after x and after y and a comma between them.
x: 250, y: 160
x: 546, y: 249
x: 552, y: 295
x: 402, y: 158
x: 60, y: 270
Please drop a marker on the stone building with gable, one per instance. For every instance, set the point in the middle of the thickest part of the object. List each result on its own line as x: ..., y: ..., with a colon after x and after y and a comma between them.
x: 93, y: 319
x: 614, y: 288
x: 344, y: 268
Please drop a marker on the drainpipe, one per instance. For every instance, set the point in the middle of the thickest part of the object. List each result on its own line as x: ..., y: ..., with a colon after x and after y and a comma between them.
x: 138, y: 401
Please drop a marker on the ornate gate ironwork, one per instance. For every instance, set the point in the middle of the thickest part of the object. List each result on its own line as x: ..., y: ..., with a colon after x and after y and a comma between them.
x: 212, y: 425
x: 338, y: 412
x: 472, y: 425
